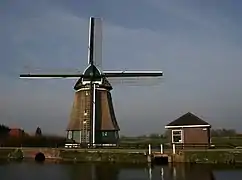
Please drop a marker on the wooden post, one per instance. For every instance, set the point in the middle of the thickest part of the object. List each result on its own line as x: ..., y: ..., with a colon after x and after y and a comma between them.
x: 149, y: 158
x: 174, y: 148
x: 149, y: 149
x: 161, y: 148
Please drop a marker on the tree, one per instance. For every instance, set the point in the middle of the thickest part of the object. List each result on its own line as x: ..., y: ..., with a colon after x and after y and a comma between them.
x: 223, y: 132
x: 38, y: 132
x: 4, y: 130
x: 166, y: 134
x: 154, y: 135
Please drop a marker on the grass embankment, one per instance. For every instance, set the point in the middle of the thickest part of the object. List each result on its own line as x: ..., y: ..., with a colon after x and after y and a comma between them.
x: 119, y: 156
x: 14, y: 154
x: 214, y: 156
x: 4, y: 153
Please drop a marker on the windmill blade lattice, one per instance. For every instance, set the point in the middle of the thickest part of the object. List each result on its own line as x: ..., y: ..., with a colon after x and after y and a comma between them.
x: 136, y: 81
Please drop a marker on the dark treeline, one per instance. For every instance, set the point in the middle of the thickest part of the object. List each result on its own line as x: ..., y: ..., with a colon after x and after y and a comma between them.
x: 223, y: 133
x: 33, y: 141
x: 25, y: 140
x: 41, y: 140
x: 4, y: 130
x: 214, y: 133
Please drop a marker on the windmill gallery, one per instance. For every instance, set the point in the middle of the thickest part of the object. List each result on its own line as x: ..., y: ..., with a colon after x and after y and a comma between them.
x: 92, y: 119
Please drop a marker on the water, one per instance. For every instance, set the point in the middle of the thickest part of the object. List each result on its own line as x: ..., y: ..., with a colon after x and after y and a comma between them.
x: 47, y: 171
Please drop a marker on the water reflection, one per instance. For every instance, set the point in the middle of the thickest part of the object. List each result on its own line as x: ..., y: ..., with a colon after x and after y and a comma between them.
x: 118, y: 172
x: 181, y: 172
x: 30, y: 171
x: 94, y: 172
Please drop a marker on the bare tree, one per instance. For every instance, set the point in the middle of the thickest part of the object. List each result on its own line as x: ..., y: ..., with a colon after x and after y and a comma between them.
x: 38, y: 132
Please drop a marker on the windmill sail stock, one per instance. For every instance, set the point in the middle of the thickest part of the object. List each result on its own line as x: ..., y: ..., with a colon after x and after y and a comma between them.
x: 95, y: 42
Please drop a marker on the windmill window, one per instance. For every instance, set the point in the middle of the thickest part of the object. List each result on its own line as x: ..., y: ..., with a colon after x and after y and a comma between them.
x: 105, y: 133
x: 85, y: 121
x: 87, y: 93
x: 85, y: 113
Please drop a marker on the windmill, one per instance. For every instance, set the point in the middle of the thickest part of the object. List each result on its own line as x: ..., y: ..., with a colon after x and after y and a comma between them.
x: 92, y: 120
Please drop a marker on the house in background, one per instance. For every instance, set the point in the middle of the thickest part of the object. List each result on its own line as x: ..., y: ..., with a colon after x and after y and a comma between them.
x: 16, y: 132
x: 189, y: 130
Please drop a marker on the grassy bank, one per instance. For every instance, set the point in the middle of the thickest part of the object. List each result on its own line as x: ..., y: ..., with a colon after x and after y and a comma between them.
x: 4, y: 153
x: 214, y: 157
x: 13, y: 154
x: 209, y: 156
x: 103, y: 156
x: 82, y: 155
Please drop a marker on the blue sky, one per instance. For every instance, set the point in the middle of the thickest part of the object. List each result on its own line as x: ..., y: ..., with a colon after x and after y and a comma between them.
x: 197, y: 43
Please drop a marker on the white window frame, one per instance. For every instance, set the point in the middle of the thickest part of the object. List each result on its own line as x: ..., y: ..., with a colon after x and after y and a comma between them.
x: 177, y: 130
x: 69, y: 135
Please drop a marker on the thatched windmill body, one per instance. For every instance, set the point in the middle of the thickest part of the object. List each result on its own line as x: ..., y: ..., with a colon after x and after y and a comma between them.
x: 92, y: 119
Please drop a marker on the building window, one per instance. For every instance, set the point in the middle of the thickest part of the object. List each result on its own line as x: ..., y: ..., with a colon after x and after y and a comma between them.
x: 105, y: 133
x: 177, y: 136
x: 87, y: 93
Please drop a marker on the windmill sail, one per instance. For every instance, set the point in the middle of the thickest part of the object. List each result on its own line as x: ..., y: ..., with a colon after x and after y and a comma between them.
x: 51, y: 73
x: 134, y: 78
x: 95, y: 42
x: 133, y: 73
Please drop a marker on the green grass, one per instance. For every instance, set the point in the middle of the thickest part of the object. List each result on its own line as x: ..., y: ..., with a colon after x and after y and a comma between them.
x: 229, y: 141
x: 214, y: 156
x: 5, y: 152
x: 142, y: 140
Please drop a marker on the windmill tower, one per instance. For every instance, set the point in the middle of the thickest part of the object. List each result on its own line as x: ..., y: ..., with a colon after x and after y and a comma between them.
x: 92, y: 119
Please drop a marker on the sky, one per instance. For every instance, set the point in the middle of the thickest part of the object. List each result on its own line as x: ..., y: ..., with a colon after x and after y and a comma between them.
x: 196, y: 43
